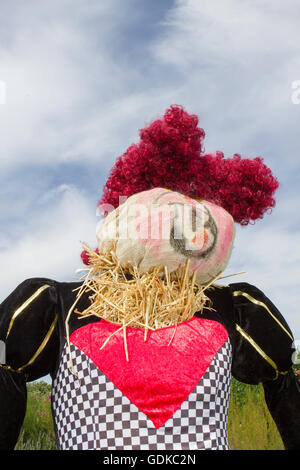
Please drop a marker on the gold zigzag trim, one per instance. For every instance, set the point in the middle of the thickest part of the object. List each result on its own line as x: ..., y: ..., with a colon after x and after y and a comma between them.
x: 38, y: 351
x: 42, y: 345
x: 261, y: 304
x: 260, y: 351
x: 25, y: 305
x: 45, y: 340
x: 6, y: 367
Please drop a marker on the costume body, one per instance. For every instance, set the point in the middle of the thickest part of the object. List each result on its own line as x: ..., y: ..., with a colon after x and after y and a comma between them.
x: 146, y: 361
x: 179, y: 402
x: 150, y: 402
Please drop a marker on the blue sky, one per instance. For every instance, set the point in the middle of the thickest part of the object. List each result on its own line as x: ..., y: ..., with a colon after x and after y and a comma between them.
x: 83, y: 76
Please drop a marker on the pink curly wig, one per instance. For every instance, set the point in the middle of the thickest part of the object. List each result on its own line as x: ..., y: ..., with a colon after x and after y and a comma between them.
x: 170, y: 155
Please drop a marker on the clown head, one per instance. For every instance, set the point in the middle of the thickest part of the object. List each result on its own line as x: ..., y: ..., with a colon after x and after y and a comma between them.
x: 194, y: 219
x: 160, y: 227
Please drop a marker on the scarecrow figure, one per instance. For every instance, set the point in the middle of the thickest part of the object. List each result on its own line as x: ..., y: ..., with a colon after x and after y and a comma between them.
x: 142, y: 348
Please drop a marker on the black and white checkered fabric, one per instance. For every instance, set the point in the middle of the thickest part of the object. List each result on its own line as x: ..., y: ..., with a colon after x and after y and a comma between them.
x: 91, y: 413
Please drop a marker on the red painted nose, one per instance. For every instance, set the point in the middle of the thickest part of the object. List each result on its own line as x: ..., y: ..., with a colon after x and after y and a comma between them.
x: 200, y: 239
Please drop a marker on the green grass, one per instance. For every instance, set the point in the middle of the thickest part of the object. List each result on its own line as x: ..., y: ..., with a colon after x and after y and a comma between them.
x: 37, y: 432
x: 250, y: 425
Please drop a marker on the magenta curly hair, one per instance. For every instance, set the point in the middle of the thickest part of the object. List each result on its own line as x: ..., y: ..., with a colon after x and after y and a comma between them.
x: 170, y: 155
x: 162, y: 158
x: 244, y: 187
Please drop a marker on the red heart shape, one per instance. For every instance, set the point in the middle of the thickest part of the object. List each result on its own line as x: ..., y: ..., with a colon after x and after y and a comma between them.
x: 158, y: 377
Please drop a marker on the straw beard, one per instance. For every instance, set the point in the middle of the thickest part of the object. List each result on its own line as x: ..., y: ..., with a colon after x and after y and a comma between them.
x: 124, y: 296
x: 152, y: 300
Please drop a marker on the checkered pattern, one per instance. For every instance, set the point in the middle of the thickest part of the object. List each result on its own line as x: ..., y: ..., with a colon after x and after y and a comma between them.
x: 91, y: 413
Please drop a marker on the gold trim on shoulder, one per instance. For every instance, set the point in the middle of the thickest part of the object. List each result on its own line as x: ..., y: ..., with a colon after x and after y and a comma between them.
x: 260, y: 351
x: 261, y: 304
x: 25, y: 305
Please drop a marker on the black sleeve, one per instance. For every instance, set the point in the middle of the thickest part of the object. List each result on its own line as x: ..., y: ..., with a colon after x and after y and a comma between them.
x: 13, y: 397
x: 263, y: 353
x: 29, y: 342
x: 283, y: 400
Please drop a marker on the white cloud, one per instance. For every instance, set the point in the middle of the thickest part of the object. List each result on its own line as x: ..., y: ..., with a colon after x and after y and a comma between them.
x: 236, y: 61
x: 63, y: 88
x: 229, y: 32
x: 51, y: 244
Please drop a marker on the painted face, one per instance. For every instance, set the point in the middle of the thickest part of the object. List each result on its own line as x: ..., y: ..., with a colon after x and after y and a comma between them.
x: 165, y: 228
